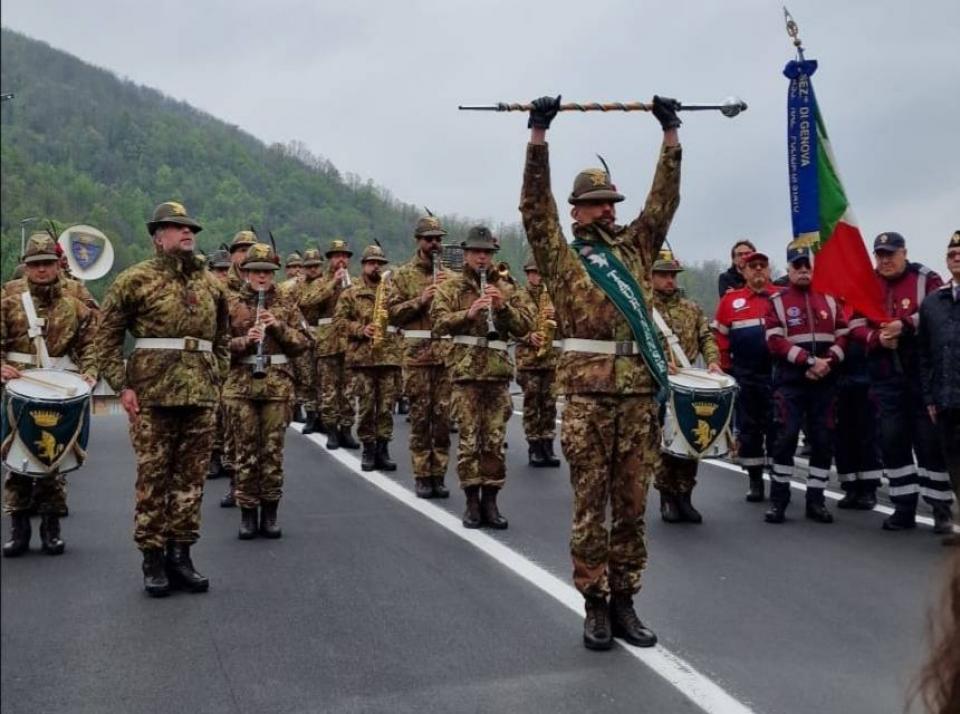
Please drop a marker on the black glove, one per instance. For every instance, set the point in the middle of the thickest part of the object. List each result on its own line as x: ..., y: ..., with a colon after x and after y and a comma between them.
x: 542, y: 112
x: 665, y: 110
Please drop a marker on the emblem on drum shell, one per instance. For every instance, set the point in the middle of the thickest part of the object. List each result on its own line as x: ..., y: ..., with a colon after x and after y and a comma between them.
x: 45, y: 419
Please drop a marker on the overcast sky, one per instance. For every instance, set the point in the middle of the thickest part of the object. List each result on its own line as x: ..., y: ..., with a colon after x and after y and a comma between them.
x: 374, y: 87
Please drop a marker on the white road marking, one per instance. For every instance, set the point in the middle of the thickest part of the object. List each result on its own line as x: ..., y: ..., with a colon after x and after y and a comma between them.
x: 697, y: 687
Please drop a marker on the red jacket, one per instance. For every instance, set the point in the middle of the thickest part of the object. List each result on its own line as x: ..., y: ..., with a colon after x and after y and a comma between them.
x: 804, y: 323
x: 741, y: 333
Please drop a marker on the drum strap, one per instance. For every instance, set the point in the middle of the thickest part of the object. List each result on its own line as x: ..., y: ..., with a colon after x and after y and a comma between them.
x: 63, y: 362
x: 671, y: 338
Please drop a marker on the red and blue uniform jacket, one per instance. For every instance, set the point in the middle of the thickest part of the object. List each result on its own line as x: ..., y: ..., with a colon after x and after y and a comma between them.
x: 801, y: 324
x: 740, y: 329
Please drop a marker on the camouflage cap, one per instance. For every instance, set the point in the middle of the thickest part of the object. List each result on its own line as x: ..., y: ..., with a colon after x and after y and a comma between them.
x: 260, y: 257
x: 954, y: 240
x: 171, y: 212
x: 374, y: 254
x: 294, y: 260
x: 530, y: 264
x: 218, y: 259
x: 338, y: 245
x: 312, y: 257
x: 667, y: 263
x: 594, y: 185
x: 429, y: 226
x: 40, y: 246
x: 242, y: 239
x: 480, y: 238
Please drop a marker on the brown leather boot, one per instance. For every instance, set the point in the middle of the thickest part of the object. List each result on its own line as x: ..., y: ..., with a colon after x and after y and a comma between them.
x: 626, y: 624
x: 489, y: 513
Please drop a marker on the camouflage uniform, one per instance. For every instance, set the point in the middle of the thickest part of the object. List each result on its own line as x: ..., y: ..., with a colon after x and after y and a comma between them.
x: 536, y: 374
x: 173, y: 297
x: 426, y: 379
x: 308, y: 379
x: 610, y: 435
x: 68, y: 286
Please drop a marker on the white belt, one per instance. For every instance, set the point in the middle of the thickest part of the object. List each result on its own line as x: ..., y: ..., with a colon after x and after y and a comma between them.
x: 268, y: 359
x: 480, y: 342
x: 393, y: 329
x: 63, y: 362
x: 600, y: 347
x: 187, y: 344
x: 324, y: 321
x: 418, y: 334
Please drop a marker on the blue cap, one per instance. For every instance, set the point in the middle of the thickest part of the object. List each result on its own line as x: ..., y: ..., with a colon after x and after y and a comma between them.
x: 888, y: 242
x: 798, y: 252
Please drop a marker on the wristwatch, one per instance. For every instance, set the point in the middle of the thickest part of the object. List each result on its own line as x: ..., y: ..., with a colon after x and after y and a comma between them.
x: 811, y: 361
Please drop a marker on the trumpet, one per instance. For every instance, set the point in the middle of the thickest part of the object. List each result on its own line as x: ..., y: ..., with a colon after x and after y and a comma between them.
x: 260, y: 363
x: 492, y: 333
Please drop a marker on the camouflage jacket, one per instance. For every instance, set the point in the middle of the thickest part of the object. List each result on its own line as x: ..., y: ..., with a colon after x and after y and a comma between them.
x: 68, y: 286
x: 286, y: 338
x: 166, y: 296
x: 690, y: 325
x: 290, y: 288
x: 527, y: 357
x: 583, y: 310
x: 354, y: 312
x: 406, y: 311
x: 449, y: 314
x: 69, y: 326
x: 235, y: 281
x: 319, y: 300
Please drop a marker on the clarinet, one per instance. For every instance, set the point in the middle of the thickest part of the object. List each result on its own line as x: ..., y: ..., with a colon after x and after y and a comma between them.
x: 260, y: 364
x: 492, y: 333
x: 435, y: 262
x: 345, y: 281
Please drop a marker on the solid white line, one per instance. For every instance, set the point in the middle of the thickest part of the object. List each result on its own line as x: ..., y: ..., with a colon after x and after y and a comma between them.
x: 700, y: 689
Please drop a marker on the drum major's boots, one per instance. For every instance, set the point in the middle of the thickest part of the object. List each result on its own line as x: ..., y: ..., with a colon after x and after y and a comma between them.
x: 384, y: 462
x: 687, y: 511
x: 155, y: 580
x: 471, y: 514
x: 248, y: 524
x: 535, y: 453
x: 268, y: 519
x: 180, y: 569
x: 755, y: 494
x: 19, y: 541
x: 625, y: 624
x: 346, y: 438
x: 368, y: 459
x: 489, y: 513
x: 669, y: 510
x: 439, y: 490
x: 549, y: 458
x: 50, y: 541
x: 597, y: 634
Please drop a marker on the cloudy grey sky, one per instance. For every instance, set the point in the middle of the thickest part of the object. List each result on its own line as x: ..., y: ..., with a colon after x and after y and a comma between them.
x: 374, y: 86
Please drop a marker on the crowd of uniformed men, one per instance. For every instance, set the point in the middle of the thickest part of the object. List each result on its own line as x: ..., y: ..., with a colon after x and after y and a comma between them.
x: 224, y: 357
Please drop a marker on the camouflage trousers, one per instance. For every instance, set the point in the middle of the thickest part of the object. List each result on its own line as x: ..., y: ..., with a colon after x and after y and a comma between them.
x: 429, y: 391
x: 676, y: 476
x: 336, y: 406
x: 305, y: 373
x: 376, y: 392
x: 226, y: 433
x: 612, y: 446
x: 173, y: 446
x: 48, y: 494
x: 262, y: 426
x: 481, y: 410
x: 539, y: 402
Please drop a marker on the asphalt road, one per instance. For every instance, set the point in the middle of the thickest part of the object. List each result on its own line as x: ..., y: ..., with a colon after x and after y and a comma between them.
x: 366, y: 605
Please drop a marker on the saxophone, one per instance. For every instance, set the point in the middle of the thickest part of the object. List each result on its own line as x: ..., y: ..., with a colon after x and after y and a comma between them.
x: 546, y: 326
x: 380, y: 313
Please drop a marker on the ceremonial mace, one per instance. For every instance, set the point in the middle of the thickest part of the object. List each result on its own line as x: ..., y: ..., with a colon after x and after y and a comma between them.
x: 730, y: 107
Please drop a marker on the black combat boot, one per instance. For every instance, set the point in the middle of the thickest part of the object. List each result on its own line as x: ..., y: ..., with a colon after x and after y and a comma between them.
x: 268, y: 519
x: 816, y: 507
x: 454, y: 428
x: 597, y: 634
x: 867, y: 495
x: 155, y: 580
x: 384, y: 462
x: 320, y: 426
x: 535, y: 453
x: 851, y: 496
x: 755, y: 494
x: 439, y: 490
x: 489, y: 513
x: 333, y: 437
x: 549, y: 458
x: 181, y: 572
x: 50, y: 541
x: 310, y: 425
x: 229, y: 500
x: 368, y: 459
x: 19, y: 541
x: 216, y: 466
x: 403, y: 404
x: 471, y: 514
x: 902, y: 519
x: 423, y: 487
x: 669, y: 509
x: 687, y: 511
x: 346, y: 438
x: 942, y: 519
x: 777, y: 513
x: 625, y: 623
x: 248, y: 524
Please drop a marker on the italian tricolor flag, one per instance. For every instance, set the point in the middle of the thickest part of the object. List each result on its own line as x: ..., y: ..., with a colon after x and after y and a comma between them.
x: 820, y: 211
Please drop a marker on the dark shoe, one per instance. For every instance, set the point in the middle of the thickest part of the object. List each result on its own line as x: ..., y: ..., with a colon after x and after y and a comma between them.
x: 866, y: 497
x: 597, y: 634
x: 535, y: 453
x: 489, y: 513
x: 403, y: 405
x: 818, y: 512
x: 423, y: 487
x: 550, y: 459
x: 320, y: 426
x: 229, y: 500
x: 155, y: 580
x: 777, y: 513
x: 346, y: 439
x: 333, y: 437
x: 900, y: 520
x: 384, y: 462
x: 454, y: 428
x: 216, y: 466
x: 310, y: 425
x: 180, y: 569
x: 368, y: 459
x: 19, y: 541
x: 755, y: 494
x: 626, y: 625
x: 50, y: 541
x: 471, y: 514
x: 439, y: 490
x: 268, y: 519
x: 687, y: 512
x: 851, y: 496
x: 248, y: 524
x: 669, y: 511
x: 942, y: 520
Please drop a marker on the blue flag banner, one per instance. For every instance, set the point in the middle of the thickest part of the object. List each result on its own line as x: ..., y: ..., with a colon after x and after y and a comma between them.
x: 802, y: 151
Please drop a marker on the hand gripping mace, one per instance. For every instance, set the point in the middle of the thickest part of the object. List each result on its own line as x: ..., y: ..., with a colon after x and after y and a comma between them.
x: 730, y: 107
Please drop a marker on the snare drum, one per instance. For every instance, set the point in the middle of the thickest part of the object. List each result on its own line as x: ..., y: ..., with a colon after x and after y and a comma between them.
x: 697, y: 420
x: 46, y: 422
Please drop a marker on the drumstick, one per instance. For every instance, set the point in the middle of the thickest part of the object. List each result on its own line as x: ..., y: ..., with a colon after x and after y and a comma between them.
x: 701, y: 375
x: 69, y: 391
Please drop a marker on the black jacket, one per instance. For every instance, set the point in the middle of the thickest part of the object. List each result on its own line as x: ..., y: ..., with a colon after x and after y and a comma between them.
x: 939, y: 343
x: 730, y: 280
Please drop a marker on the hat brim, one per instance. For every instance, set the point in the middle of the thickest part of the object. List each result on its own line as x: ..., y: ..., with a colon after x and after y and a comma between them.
x: 177, y: 220
x: 41, y: 258
x: 886, y: 248
x: 667, y: 270
x: 486, y: 247
x: 259, y: 265
x: 598, y: 196
x: 374, y: 259
x: 430, y: 234
x: 347, y: 253
x: 311, y: 263
x: 223, y: 266
x: 756, y: 255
